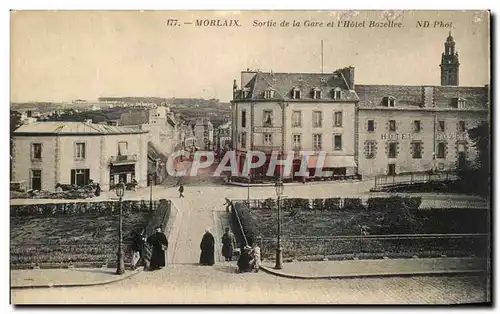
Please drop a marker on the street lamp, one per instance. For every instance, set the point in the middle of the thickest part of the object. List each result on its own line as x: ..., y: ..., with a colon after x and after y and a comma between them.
x: 120, y: 264
x: 152, y: 176
x: 279, y: 254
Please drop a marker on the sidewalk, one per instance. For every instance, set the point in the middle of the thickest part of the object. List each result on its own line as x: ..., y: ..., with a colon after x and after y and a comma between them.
x: 377, y: 268
x: 46, y: 278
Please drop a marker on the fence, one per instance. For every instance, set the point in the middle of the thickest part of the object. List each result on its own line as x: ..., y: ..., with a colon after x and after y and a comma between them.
x: 411, y: 178
x: 401, y: 245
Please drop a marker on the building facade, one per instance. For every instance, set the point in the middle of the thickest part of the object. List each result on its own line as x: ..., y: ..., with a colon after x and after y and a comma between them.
x: 404, y: 129
x: 296, y: 112
x: 363, y: 129
x: 224, y: 135
x: 48, y: 153
x: 204, y: 133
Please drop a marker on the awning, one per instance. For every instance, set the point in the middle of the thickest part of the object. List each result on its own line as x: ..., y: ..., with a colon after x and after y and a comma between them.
x: 332, y: 162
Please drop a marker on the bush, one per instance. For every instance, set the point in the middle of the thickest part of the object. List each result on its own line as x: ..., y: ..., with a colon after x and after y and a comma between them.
x: 295, y: 204
x: 353, y: 204
x: 332, y: 203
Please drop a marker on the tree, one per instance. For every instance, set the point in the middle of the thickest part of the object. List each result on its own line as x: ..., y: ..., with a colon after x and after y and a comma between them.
x: 15, y: 123
x: 480, y: 178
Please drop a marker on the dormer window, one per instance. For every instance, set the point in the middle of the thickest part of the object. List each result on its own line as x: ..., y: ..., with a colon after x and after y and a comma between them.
x: 269, y: 93
x: 458, y: 102
x: 317, y: 93
x: 296, y: 93
x: 246, y: 92
x: 390, y: 102
x: 337, y: 93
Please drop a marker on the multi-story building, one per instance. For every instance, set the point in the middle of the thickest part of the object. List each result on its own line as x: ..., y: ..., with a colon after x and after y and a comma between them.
x: 365, y: 129
x: 284, y: 112
x: 48, y: 153
x: 204, y: 133
x: 224, y: 135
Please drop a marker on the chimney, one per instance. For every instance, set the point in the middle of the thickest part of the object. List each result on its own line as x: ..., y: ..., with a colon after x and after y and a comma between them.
x: 348, y: 75
x: 428, y: 96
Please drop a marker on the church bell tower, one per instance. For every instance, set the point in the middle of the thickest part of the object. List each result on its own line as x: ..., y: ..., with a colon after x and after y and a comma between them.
x: 449, y: 63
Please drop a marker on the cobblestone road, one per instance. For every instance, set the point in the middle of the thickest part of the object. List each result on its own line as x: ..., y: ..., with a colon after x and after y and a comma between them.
x: 180, y: 284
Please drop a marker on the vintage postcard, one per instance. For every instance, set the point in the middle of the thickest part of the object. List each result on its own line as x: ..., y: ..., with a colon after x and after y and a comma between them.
x: 250, y: 157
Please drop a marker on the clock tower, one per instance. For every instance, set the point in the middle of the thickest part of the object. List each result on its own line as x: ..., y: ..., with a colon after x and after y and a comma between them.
x: 449, y: 63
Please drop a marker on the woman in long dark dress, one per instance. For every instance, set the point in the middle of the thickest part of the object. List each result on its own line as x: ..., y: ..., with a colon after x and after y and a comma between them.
x: 207, y: 249
x: 159, y: 244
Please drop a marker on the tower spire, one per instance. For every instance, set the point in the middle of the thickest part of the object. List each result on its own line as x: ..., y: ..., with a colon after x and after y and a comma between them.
x: 449, y: 63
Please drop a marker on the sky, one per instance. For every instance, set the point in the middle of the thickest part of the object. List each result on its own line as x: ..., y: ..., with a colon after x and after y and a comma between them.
x: 66, y: 55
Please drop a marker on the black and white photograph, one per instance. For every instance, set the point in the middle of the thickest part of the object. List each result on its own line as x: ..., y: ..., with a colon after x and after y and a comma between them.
x: 266, y: 157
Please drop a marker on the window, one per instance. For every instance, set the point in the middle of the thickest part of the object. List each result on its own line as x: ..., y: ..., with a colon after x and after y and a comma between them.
x: 392, y: 125
x: 317, y: 94
x: 296, y: 141
x: 461, y: 126
x: 80, y: 151
x: 441, y: 153
x: 80, y: 177
x: 296, y: 119
x: 416, y: 150
x: 36, y: 179
x: 316, y: 141
x: 243, y: 139
x: 246, y: 92
x: 416, y: 126
x: 370, y: 150
x: 337, y: 94
x: 338, y: 118
x: 390, y: 102
x: 317, y: 119
x: 337, y: 142
x: 296, y: 93
x: 243, y: 118
x: 391, y: 169
x: 392, y: 152
x: 371, y: 125
x: 268, y: 118
x: 442, y: 126
x: 268, y: 139
x: 36, y: 151
x: 122, y: 148
x: 268, y: 93
x: 461, y: 103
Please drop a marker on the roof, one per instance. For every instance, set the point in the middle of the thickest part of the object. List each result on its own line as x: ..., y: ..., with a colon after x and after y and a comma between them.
x: 284, y: 83
x: 154, y: 153
x: 74, y: 128
x: 413, y: 96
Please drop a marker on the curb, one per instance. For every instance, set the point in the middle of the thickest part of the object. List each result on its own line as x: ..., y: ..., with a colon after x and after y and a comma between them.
x: 375, y: 275
x: 71, y: 285
x: 242, y: 184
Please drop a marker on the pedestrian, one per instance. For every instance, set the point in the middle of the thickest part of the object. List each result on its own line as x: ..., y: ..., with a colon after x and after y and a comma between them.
x: 97, y: 189
x: 228, y: 204
x: 181, y: 190
x: 244, y: 260
x: 207, y: 249
x: 138, y: 243
x: 134, y: 184
x: 227, y: 245
x: 255, y: 257
x: 159, y: 244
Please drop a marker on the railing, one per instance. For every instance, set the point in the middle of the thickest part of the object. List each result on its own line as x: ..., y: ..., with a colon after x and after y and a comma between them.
x: 411, y: 178
x: 400, y: 245
x: 241, y: 231
x: 56, y: 254
x: 123, y: 158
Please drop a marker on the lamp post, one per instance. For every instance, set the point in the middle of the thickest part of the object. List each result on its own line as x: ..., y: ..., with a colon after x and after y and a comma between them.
x: 279, y: 254
x: 120, y: 264
x: 248, y: 190
x: 152, y: 176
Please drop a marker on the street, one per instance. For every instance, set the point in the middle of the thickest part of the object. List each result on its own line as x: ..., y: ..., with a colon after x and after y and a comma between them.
x: 193, y: 284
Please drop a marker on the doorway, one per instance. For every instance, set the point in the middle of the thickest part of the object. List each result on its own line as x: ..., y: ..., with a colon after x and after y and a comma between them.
x: 36, y: 180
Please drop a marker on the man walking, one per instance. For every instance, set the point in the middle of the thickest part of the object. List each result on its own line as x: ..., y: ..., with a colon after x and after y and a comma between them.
x: 138, y: 243
x: 181, y: 190
x: 227, y: 245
